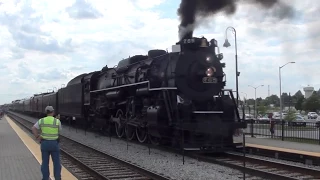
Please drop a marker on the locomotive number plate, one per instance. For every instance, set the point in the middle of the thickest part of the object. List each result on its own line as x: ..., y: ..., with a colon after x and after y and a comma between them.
x: 209, y: 80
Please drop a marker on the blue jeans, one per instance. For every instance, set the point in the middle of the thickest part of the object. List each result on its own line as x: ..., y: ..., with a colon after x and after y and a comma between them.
x: 50, y: 148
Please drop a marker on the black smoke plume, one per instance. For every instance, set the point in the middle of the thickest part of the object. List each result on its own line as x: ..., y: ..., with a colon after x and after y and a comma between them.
x: 190, y: 10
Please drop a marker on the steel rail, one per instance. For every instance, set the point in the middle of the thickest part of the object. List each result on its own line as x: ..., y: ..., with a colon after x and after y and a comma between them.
x: 254, y: 166
x: 267, y: 169
x: 118, y: 168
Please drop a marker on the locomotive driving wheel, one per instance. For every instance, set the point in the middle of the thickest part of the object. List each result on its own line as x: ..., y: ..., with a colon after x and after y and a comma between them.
x: 119, y: 125
x: 141, y: 133
x: 154, y: 140
x: 129, y: 129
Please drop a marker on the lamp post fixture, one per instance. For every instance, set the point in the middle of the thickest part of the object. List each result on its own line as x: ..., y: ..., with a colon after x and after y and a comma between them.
x: 255, y: 99
x: 280, y: 95
x: 227, y: 44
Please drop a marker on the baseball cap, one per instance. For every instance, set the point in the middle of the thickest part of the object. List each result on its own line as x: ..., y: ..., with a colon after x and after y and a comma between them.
x: 49, y: 109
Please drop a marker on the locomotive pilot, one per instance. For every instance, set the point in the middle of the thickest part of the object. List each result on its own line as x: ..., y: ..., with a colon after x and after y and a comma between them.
x: 49, y: 139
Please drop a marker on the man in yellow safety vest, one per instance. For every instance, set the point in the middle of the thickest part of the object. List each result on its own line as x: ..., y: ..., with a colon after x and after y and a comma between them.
x: 49, y: 139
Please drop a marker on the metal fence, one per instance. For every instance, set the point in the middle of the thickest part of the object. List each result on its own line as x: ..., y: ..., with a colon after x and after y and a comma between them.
x: 308, y: 132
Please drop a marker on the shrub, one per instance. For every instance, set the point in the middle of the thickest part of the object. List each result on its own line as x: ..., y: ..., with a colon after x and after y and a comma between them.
x: 290, y: 116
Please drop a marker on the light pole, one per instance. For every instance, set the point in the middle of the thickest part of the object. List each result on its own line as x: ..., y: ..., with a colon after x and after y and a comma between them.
x: 280, y: 95
x: 255, y: 99
x: 227, y: 44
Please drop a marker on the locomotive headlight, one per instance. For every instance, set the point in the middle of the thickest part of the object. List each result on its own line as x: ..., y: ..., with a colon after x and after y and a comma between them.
x: 209, y: 72
x: 208, y: 59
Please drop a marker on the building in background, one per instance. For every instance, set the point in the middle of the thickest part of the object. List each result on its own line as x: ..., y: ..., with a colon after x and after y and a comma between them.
x: 308, y: 91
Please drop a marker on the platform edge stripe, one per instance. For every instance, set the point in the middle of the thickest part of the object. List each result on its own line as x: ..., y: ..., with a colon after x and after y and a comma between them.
x: 25, y: 137
x: 308, y: 153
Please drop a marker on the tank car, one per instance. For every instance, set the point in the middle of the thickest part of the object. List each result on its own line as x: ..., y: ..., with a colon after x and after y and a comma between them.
x: 27, y: 106
x: 50, y: 99
x: 70, y: 99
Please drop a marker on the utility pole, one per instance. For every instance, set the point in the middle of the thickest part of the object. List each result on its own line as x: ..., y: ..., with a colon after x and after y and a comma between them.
x: 268, y: 90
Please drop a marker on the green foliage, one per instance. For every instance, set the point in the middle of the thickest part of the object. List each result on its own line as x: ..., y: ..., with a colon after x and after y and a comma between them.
x: 290, y: 116
x: 273, y: 99
x: 299, y: 103
x: 262, y: 109
x: 312, y: 103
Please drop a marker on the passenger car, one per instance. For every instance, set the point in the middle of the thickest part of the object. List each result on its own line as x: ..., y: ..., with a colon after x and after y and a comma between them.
x: 299, y: 121
x: 312, y: 115
x: 263, y: 119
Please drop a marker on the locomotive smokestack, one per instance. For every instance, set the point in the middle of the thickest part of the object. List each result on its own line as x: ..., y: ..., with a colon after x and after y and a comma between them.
x: 192, y: 10
x: 186, y: 32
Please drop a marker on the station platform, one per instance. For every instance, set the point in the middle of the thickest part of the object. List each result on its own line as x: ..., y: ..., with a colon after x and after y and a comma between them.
x: 20, y: 155
x: 268, y: 143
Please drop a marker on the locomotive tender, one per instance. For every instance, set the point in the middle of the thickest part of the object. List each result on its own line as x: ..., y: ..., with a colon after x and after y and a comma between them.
x: 175, y: 97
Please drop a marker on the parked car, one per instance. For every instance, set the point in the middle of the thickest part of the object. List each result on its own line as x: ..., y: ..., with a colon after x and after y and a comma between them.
x: 312, y: 115
x: 284, y: 115
x: 299, y: 121
x: 249, y: 117
x: 263, y: 119
x: 297, y: 114
x: 276, y: 117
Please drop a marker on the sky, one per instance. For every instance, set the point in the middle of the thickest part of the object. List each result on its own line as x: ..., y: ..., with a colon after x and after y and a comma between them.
x: 44, y: 44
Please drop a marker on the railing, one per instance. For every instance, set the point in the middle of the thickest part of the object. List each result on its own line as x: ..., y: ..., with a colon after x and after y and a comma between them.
x: 307, y: 132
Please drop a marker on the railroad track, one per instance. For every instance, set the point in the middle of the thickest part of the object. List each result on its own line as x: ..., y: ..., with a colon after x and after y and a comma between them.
x: 90, y: 163
x: 266, y: 169
x: 254, y: 168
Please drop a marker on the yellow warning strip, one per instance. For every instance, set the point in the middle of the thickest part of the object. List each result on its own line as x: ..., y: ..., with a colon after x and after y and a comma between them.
x: 284, y: 150
x: 35, y: 150
x: 307, y: 153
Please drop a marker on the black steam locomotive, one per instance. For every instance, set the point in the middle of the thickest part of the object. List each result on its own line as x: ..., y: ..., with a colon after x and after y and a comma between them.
x: 175, y: 97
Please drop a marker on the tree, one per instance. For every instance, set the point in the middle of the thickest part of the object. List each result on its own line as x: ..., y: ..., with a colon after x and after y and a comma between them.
x: 298, y: 94
x: 262, y: 109
x: 285, y: 99
x: 259, y: 100
x: 299, y: 103
x: 250, y: 101
x: 312, y: 103
x: 290, y: 116
x: 273, y: 99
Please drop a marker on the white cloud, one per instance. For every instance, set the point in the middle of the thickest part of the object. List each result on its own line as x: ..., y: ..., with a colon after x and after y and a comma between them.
x: 46, y: 43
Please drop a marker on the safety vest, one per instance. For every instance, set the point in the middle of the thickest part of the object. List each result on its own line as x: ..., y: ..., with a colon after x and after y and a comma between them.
x: 49, y: 128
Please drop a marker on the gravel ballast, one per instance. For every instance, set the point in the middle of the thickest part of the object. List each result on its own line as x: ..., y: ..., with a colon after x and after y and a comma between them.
x: 165, y: 163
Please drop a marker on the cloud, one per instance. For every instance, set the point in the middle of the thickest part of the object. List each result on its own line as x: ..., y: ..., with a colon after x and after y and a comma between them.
x: 25, y: 30
x: 47, y: 43
x: 81, y: 9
